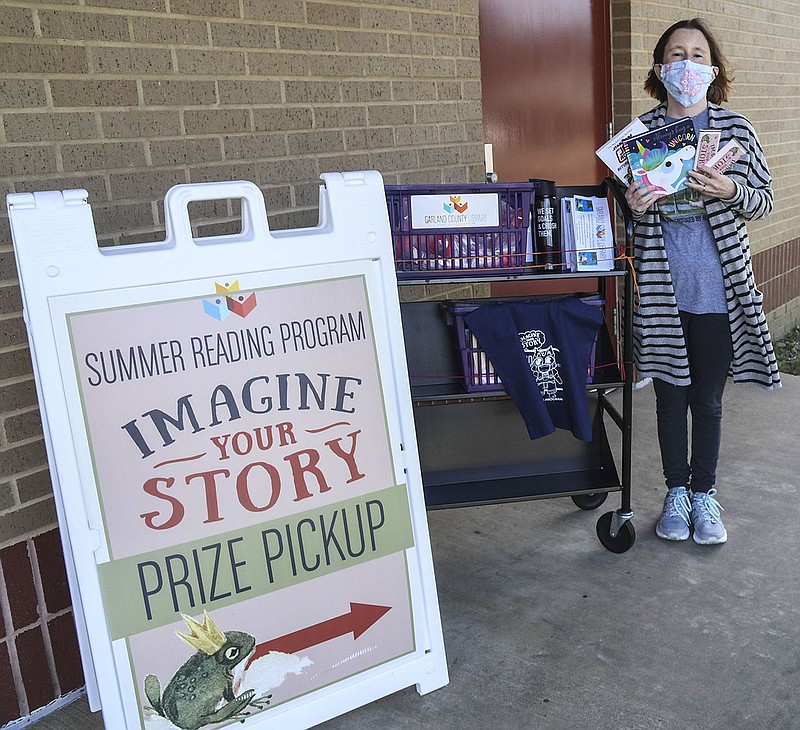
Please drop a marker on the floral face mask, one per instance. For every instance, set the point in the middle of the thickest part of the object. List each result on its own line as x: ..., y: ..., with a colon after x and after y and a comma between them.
x: 686, y: 81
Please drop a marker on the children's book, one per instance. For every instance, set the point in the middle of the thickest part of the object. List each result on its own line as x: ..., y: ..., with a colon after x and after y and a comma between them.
x: 661, y: 157
x: 614, y: 154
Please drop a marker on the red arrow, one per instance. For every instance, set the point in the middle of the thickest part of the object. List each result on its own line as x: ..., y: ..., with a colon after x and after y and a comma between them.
x: 360, y: 617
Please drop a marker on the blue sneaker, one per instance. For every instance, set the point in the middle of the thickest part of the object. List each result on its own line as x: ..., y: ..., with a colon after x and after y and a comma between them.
x: 674, y: 521
x: 708, y: 527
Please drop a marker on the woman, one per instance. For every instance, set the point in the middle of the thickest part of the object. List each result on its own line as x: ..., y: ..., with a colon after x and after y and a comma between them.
x: 698, y: 316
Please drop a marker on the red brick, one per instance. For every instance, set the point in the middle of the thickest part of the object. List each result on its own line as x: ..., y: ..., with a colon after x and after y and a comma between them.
x: 760, y: 267
x: 66, y: 653
x: 9, y: 705
x: 19, y: 584
x: 782, y: 292
x: 50, y: 556
x: 34, y: 668
x: 769, y: 299
x: 768, y: 264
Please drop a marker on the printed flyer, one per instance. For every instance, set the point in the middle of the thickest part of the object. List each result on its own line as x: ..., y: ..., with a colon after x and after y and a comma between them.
x: 256, y: 534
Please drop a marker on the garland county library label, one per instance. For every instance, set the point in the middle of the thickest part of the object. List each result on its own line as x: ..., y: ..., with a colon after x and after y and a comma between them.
x: 246, y: 481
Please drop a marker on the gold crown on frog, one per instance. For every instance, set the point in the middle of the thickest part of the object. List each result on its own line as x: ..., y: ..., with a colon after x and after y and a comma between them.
x: 205, y: 637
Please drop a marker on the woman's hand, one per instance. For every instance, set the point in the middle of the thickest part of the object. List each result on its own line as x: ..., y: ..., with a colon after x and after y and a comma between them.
x: 711, y: 183
x: 640, y: 196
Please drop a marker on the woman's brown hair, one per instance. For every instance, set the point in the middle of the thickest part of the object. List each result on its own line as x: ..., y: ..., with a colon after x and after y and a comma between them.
x: 720, y: 86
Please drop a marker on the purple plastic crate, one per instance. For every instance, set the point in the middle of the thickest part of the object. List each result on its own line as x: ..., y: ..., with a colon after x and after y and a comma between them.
x: 447, y: 230
x: 479, y: 373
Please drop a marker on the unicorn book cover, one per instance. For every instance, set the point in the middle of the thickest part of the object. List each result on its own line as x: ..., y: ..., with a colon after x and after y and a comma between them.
x: 662, y: 157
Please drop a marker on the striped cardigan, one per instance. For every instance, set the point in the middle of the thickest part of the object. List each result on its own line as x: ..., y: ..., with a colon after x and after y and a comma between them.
x: 659, y: 347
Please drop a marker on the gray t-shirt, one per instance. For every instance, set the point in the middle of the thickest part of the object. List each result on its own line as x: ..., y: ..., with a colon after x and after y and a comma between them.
x: 691, y: 249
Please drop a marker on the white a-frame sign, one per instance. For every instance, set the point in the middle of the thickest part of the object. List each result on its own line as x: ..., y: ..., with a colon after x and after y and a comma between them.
x: 231, y: 440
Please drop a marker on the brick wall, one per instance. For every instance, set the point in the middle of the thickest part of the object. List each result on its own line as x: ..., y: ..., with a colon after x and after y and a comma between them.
x: 127, y: 97
x: 129, y: 102
x: 766, y: 79
x: 39, y: 656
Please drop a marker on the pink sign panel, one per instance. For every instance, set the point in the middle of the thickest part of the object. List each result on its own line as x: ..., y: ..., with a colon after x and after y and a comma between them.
x: 255, y: 531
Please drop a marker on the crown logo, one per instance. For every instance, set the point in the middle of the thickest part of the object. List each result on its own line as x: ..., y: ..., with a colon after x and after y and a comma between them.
x: 205, y: 637
x: 227, y: 288
x: 458, y: 205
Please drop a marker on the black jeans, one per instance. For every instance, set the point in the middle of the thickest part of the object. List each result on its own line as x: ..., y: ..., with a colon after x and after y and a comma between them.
x: 708, y: 341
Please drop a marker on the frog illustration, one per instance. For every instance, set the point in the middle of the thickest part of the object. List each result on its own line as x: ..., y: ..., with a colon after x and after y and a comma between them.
x: 201, y: 691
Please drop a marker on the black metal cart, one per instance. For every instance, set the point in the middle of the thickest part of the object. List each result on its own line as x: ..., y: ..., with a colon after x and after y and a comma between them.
x: 474, y: 448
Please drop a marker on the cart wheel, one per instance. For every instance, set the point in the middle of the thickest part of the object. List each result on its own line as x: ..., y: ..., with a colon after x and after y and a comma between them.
x: 622, y: 541
x: 590, y: 501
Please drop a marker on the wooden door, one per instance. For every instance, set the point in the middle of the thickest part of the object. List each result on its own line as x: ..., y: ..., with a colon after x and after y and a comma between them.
x: 546, y: 76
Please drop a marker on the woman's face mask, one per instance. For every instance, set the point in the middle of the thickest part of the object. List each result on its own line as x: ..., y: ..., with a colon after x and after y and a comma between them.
x: 686, y: 81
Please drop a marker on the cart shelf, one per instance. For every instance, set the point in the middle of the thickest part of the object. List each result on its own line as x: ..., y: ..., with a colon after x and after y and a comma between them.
x: 474, y: 448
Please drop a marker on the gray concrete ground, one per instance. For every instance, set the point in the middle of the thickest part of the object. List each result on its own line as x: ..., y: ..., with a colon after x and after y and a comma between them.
x: 545, y: 629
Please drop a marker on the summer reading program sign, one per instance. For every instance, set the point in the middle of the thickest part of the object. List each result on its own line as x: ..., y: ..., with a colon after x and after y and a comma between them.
x: 230, y: 434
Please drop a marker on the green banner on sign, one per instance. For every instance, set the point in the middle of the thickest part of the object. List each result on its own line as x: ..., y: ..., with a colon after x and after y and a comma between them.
x: 152, y: 589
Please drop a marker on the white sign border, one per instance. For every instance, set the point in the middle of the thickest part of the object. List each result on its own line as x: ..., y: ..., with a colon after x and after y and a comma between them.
x: 58, y: 258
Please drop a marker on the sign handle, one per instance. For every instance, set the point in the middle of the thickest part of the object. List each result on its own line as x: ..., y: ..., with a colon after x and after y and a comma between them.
x: 176, y: 211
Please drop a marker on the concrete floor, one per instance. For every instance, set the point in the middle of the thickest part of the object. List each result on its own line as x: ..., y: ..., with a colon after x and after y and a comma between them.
x: 545, y: 629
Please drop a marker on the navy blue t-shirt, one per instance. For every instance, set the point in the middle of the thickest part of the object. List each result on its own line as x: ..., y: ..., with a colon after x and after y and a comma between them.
x: 541, y: 352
